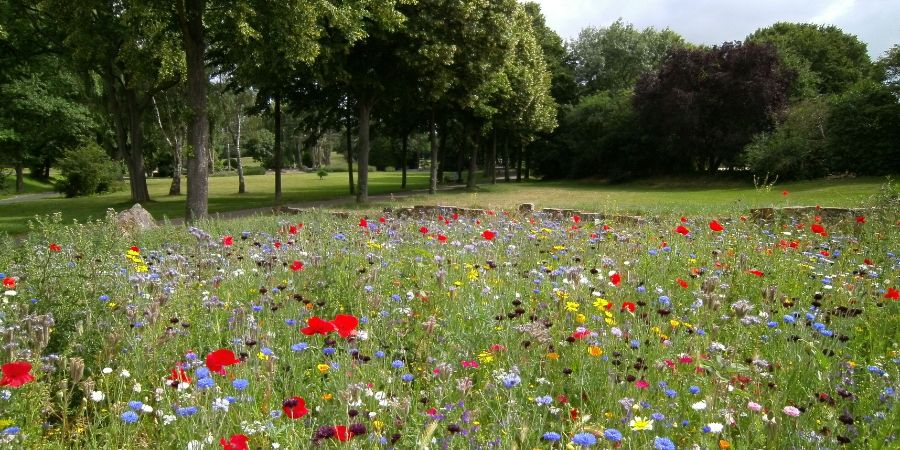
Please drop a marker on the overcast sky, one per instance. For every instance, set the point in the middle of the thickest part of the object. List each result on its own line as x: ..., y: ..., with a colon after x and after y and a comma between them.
x: 875, y: 22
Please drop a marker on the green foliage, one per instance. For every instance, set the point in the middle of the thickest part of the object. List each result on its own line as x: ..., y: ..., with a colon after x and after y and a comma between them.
x: 888, y: 69
x: 322, y: 173
x: 796, y: 149
x: 864, y: 131
x: 827, y: 60
x: 87, y: 170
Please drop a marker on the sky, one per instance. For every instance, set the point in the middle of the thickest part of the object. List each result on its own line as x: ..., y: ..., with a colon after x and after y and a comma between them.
x: 875, y: 22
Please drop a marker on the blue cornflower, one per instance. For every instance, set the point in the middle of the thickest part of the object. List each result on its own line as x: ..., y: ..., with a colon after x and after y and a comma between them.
x: 694, y: 390
x: 545, y: 400
x: 12, y: 430
x: 104, y: 298
x: 407, y: 377
x: 772, y: 324
x: 379, y: 354
x: 875, y: 370
x: 300, y: 347
x: 397, y: 364
x: 789, y: 319
x: 205, y: 383
x: 661, y: 443
x: 129, y: 417
x: 290, y: 322
x: 664, y: 299
x: 671, y: 393
x: 635, y: 343
x: 201, y: 372
x: 267, y: 351
x: 240, y: 384
x: 511, y: 380
x: 135, y: 405
x: 551, y: 436
x: 659, y: 417
x: 584, y: 439
x: 329, y: 350
x: 612, y: 435
x: 186, y: 411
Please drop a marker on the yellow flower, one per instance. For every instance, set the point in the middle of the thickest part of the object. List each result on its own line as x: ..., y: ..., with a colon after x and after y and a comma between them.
x: 473, y: 274
x: 262, y: 356
x: 674, y: 323
x: 595, y: 351
x: 378, y: 425
x: 327, y: 396
x: 640, y: 424
x: 558, y: 248
x: 553, y: 355
x: 580, y: 318
x: 323, y: 368
x: 572, y: 306
x: 485, y: 357
x: 601, y: 303
x: 562, y: 295
x: 373, y: 245
x: 610, y: 321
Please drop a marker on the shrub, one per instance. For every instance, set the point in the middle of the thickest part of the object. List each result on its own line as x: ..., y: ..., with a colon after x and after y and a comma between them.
x: 864, y: 131
x: 796, y: 148
x: 87, y: 170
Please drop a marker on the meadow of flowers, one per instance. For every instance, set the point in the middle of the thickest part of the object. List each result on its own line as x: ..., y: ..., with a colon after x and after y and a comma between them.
x: 499, y: 331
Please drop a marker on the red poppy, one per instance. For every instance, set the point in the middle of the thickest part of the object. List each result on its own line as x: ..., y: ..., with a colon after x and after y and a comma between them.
x: 217, y: 360
x: 363, y: 223
x: 681, y: 283
x: 573, y: 413
x: 297, y: 265
x: 860, y: 219
x: 292, y: 229
x: 54, y: 247
x: 755, y: 272
x: 382, y: 219
x: 825, y: 253
x: 615, y: 279
x: 442, y: 238
x: 818, y: 229
x: 581, y: 334
x: 235, y: 442
x: 577, y: 219
x: 179, y: 375
x: 342, y: 434
x: 228, y: 241
x: 716, y: 226
x: 630, y: 307
x: 868, y: 262
x: 455, y: 216
x: 345, y: 324
x: 606, y: 228
x: 892, y: 294
x: 135, y: 249
x: 488, y: 234
x: 641, y: 384
x: 784, y: 193
x: 16, y: 374
x: 316, y: 325
x: 277, y: 244
x: 683, y: 219
x: 682, y: 230
x: 423, y: 230
x: 294, y: 407
x: 9, y: 283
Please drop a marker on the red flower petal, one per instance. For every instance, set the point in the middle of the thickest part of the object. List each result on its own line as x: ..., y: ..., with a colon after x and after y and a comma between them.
x: 363, y: 223
x: 681, y: 283
x: 294, y: 408
x: 892, y: 294
x: 16, y: 374
x: 716, y: 226
x: 219, y: 359
x: 488, y: 234
x: 615, y: 279
x: 297, y: 265
x: 316, y: 325
x: 228, y: 241
x: 342, y: 434
x: 345, y: 324
x: 682, y: 230
x: 755, y: 272
x: 235, y: 442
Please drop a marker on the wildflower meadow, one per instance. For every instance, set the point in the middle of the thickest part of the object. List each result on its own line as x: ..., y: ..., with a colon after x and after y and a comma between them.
x: 500, y: 330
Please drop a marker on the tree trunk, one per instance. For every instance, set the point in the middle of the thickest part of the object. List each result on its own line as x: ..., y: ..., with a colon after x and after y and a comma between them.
x: 405, y: 146
x: 442, y: 150
x: 519, y: 163
x: 432, y: 137
x: 473, y: 162
x: 506, y: 161
x: 492, y: 160
x: 237, y: 148
x: 20, y: 177
x: 175, y: 187
x: 350, y: 157
x: 279, y: 152
x: 190, y: 14
x: 365, y: 110
x: 134, y: 157
x: 527, y: 157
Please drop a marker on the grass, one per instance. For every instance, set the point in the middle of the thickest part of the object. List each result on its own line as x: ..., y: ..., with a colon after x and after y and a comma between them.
x: 32, y: 186
x: 654, y: 196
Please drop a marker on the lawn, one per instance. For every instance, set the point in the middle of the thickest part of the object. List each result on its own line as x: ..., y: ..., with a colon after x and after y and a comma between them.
x: 32, y: 186
x: 640, y: 197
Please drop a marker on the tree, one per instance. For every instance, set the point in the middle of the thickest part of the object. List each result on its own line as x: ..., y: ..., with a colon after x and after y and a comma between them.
x: 888, y: 69
x: 864, y: 131
x: 614, y: 57
x: 704, y: 105
x: 827, y: 60
x: 796, y: 148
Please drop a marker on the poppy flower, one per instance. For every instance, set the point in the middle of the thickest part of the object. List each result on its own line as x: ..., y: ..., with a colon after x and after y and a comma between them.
x: 16, y: 374
x: 179, y: 375
x: 297, y: 265
x: 581, y: 334
x: 277, y: 244
x: 382, y: 219
x: 818, y: 229
x: 228, y: 241
x: 219, y: 359
x: 683, y: 219
x: 860, y: 219
x: 342, y: 434
x: 488, y: 234
x: 363, y: 223
x: 235, y: 442
x: 755, y: 272
x: 576, y: 219
x: 294, y: 407
x: 892, y: 294
x: 316, y: 325
x: 9, y: 283
x: 423, y: 230
x: 630, y: 307
x: 641, y: 384
x: 455, y: 216
x: 345, y: 324
x: 681, y: 283
x: 442, y: 238
x: 292, y: 229
x: 54, y: 247
x: 784, y: 193
x: 615, y: 279
x: 682, y: 230
x: 716, y: 226
x: 868, y: 262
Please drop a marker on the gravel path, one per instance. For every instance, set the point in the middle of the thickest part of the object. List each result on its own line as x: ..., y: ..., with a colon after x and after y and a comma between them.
x: 23, y: 198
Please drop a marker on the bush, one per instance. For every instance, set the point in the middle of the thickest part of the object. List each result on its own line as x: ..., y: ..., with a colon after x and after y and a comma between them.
x: 796, y: 148
x: 87, y: 170
x: 864, y: 131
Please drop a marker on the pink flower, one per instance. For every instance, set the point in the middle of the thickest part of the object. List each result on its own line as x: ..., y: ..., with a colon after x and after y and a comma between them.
x: 791, y: 411
x: 753, y: 406
x: 641, y: 384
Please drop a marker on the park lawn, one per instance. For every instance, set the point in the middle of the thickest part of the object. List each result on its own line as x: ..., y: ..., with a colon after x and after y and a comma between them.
x: 32, y: 186
x: 223, y: 197
x: 655, y: 196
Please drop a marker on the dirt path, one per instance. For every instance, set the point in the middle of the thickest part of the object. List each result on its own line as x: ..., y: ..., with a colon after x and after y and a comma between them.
x: 23, y: 198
